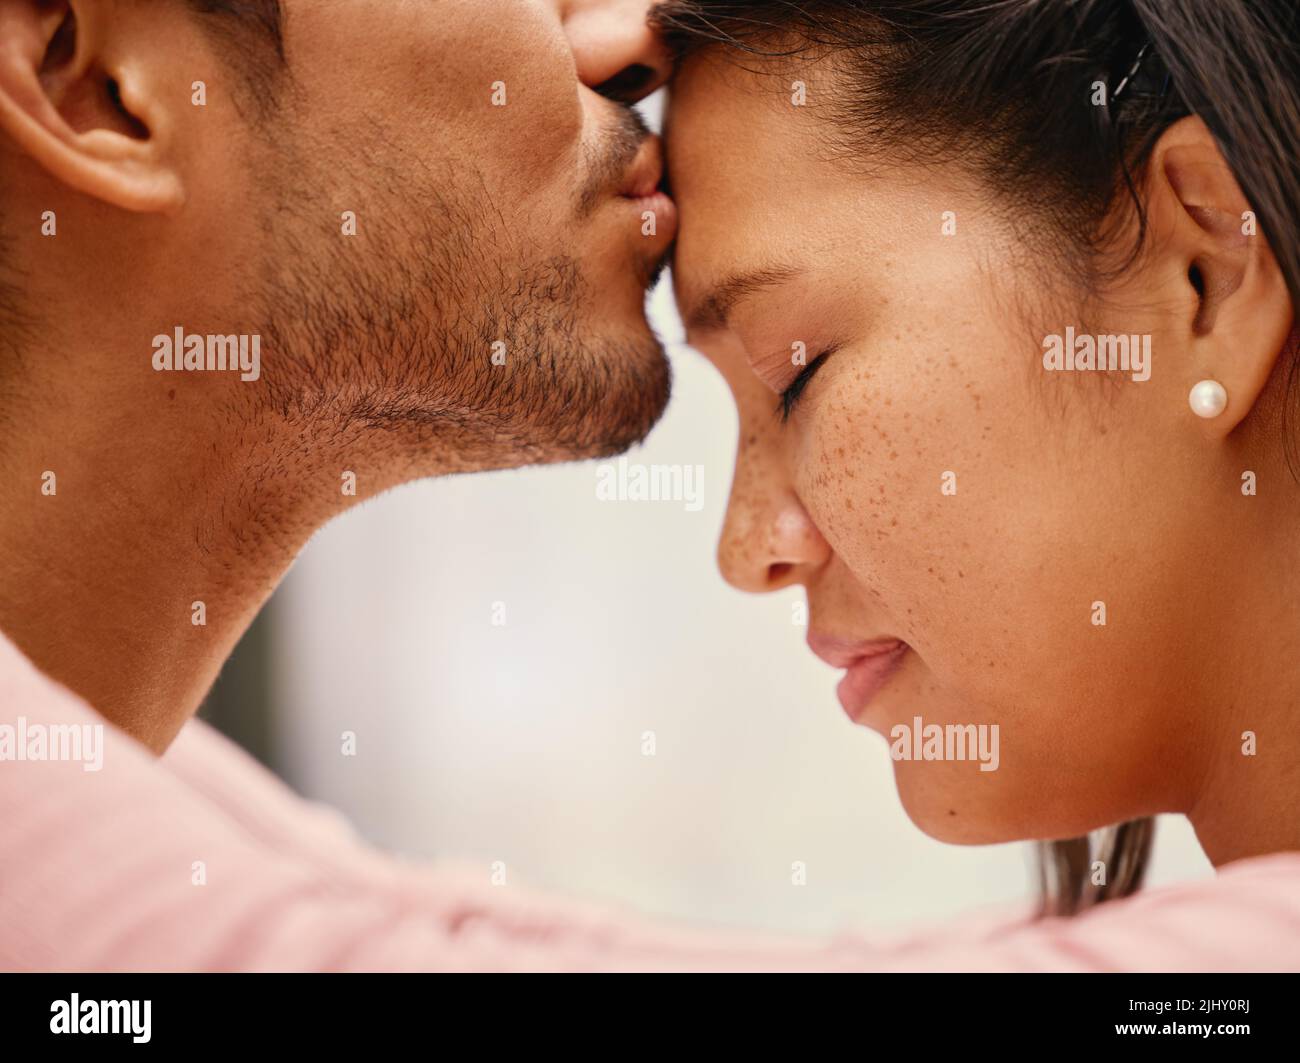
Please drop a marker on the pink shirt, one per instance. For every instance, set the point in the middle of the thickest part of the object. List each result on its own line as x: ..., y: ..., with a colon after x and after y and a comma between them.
x: 98, y: 872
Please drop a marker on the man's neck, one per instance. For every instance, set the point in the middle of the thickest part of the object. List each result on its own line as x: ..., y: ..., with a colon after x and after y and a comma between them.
x: 140, y: 534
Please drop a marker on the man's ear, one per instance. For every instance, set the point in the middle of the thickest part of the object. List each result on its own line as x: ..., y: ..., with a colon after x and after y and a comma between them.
x: 1238, y: 307
x: 81, y: 96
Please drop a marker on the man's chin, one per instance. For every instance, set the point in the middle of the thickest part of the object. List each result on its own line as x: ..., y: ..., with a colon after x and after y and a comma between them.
x: 598, y: 410
x: 624, y: 400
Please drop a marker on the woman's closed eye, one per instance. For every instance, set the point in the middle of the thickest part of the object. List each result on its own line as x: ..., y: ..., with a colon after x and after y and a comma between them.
x: 790, y: 396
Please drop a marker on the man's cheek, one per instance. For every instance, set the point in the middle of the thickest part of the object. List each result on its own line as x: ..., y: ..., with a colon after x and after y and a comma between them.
x: 507, y: 94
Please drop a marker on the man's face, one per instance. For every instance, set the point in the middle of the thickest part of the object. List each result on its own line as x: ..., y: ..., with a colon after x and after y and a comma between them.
x: 506, y: 226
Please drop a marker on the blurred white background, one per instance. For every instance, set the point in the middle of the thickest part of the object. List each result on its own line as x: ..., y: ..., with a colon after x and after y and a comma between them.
x: 522, y: 742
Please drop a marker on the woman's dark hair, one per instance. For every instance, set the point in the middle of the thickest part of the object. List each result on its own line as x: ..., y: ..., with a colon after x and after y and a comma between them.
x: 1067, y: 870
x: 1010, y: 88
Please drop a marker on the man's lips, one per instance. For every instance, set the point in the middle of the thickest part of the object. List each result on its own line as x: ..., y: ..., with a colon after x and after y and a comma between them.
x: 641, y: 190
x: 646, y: 172
x: 869, y: 667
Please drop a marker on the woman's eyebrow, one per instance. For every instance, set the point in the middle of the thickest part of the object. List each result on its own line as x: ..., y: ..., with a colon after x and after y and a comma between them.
x: 712, y: 310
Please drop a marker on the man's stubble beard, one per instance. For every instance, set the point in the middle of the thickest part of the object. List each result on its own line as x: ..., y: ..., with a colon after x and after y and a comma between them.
x: 396, y: 354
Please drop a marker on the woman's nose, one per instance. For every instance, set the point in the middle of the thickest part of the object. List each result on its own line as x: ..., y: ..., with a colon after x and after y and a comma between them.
x: 768, y: 540
x: 617, y: 52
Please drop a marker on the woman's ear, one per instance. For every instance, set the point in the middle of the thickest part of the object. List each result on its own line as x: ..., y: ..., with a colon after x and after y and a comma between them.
x: 82, y: 95
x: 1237, y: 308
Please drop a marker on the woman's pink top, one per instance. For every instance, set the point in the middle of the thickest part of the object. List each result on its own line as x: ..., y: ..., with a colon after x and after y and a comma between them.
x: 204, y: 861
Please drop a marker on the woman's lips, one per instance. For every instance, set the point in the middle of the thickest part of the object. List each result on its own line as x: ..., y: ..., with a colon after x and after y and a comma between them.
x: 863, y: 681
x: 869, y: 666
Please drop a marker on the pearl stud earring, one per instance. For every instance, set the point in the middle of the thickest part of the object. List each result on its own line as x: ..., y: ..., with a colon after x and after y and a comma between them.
x: 1208, y: 399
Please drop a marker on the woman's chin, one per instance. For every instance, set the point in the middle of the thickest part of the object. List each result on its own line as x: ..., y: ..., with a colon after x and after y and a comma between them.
x: 946, y: 803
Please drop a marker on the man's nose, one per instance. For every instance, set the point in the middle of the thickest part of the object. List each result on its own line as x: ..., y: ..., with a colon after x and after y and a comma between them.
x: 617, y: 52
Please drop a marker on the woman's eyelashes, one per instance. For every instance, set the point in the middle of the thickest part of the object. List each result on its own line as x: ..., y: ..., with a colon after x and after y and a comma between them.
x: 790, y: 396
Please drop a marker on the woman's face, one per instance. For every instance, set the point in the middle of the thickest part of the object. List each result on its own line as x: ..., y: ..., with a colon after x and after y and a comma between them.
x: 934, y: 485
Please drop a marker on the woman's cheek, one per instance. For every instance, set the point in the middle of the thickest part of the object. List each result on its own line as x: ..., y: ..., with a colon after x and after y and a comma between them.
x: 875, y: 476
